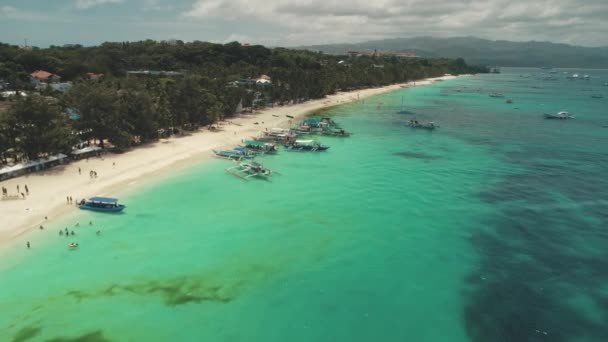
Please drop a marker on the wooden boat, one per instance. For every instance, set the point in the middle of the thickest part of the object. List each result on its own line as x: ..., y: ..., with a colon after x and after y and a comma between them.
x: 499, y: 95
x: 235, y: 154
x: 260, y: 147
x: 330, y: 122
x: 559, y: 116
x: 102, y: 204
x: 422, y: 125
x: 305, y: 146
x: 246, y: 170
x: 336, y: 132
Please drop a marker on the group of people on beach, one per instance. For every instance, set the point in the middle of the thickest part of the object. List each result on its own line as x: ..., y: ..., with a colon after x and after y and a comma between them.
x: 23, y: 195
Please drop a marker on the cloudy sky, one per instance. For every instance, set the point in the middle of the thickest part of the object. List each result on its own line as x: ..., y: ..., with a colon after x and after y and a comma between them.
x: 289, y: 22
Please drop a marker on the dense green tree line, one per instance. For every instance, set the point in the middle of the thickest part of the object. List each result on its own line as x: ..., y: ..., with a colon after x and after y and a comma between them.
x: 131, y: 110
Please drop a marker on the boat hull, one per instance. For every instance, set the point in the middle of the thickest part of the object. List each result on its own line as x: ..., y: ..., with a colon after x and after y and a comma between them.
x: 305, y: 148
x: 116, y: 209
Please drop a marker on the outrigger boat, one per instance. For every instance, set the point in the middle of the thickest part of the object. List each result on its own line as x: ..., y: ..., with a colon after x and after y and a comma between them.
x: 497, y: 95
x: 235, y: 154
x: 559, y: 116
x: 102, y: 204
x: 335, y: 132
x: 246, y: 170
x: 260, y: 147
x: 424, y: 125
x: 305, y: 146
x: 330, y: 122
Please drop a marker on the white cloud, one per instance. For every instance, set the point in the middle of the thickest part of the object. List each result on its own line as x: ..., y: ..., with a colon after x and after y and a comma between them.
x: 10, y: 12
x: 315, y: 21
x: 156, y: 5
x: 86, y: 4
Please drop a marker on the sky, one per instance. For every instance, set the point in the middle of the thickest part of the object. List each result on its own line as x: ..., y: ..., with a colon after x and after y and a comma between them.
x: 300, y: 22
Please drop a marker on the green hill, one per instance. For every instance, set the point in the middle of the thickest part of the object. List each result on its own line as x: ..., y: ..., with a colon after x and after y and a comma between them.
x: 482, y: 51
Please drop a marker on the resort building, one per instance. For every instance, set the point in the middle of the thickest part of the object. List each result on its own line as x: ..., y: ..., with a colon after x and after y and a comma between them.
x: 40, y: 76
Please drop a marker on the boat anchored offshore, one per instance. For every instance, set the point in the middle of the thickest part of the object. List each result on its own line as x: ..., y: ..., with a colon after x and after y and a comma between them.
x: 559, y: 116
x: 235, y: 154
x: 497, y: 95
x: 335, y: 132
x: 246, y: 170
x: 424, y: 125
x: 597, y: 96
x: 102, y: 204
x: 305, y: 146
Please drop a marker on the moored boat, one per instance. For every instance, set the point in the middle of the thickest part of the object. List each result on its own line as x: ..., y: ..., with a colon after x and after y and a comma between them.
x: 102, y: 204
x: 559, y: 116
x: 305, y: 146
x: 235, y: 154
x: 496, y: 95
x: 335, y: 132
x: 423, y: 125
x: 597, y: 96
x: 260, y: 147
x: 246, y: 170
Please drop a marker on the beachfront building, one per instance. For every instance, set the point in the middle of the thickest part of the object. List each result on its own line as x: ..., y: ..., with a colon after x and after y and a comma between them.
x: 31, y: 166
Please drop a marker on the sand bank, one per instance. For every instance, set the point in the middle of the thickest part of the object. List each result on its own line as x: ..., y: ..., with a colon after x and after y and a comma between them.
x: 118, y: 173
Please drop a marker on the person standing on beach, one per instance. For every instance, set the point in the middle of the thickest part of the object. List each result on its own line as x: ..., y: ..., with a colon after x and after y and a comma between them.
x: 18, y: 188
x: 27, y: 190
x: 79, y: 171
x: 67, y: 199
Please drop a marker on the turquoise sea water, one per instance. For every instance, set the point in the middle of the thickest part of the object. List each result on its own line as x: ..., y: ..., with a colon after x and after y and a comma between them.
x: 491, y: 228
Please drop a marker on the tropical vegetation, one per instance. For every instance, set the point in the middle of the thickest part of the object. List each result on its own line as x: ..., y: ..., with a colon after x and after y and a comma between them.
x: 200, y: 84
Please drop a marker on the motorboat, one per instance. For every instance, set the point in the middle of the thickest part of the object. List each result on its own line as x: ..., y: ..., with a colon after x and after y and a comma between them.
x: 305, y: 146
x: 559, y: 116
x: 496, y: 95
x: 423, y: 125
x: 235, y: 154
x: 102, y: 204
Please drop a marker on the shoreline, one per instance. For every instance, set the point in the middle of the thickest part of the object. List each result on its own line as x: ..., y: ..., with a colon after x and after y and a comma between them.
x: 119, y: 173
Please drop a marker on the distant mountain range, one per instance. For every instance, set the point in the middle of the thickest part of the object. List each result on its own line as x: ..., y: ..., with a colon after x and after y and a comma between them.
x: 483, y: 51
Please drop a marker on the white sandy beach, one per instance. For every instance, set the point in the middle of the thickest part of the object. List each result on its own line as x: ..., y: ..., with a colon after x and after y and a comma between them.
x: 118, y: 173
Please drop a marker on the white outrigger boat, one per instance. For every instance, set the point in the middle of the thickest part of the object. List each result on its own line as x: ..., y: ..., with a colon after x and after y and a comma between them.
x: 237, y: 153
x: 249, y: 169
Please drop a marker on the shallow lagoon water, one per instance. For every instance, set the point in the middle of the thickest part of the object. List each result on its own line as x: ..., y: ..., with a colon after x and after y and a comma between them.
x: 491, y: 228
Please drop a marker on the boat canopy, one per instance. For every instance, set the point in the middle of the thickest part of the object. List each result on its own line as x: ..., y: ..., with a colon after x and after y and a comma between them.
x: 103, y: 199
x: 305, y: 141
x: 312, y: 121
x: 255, y: 143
